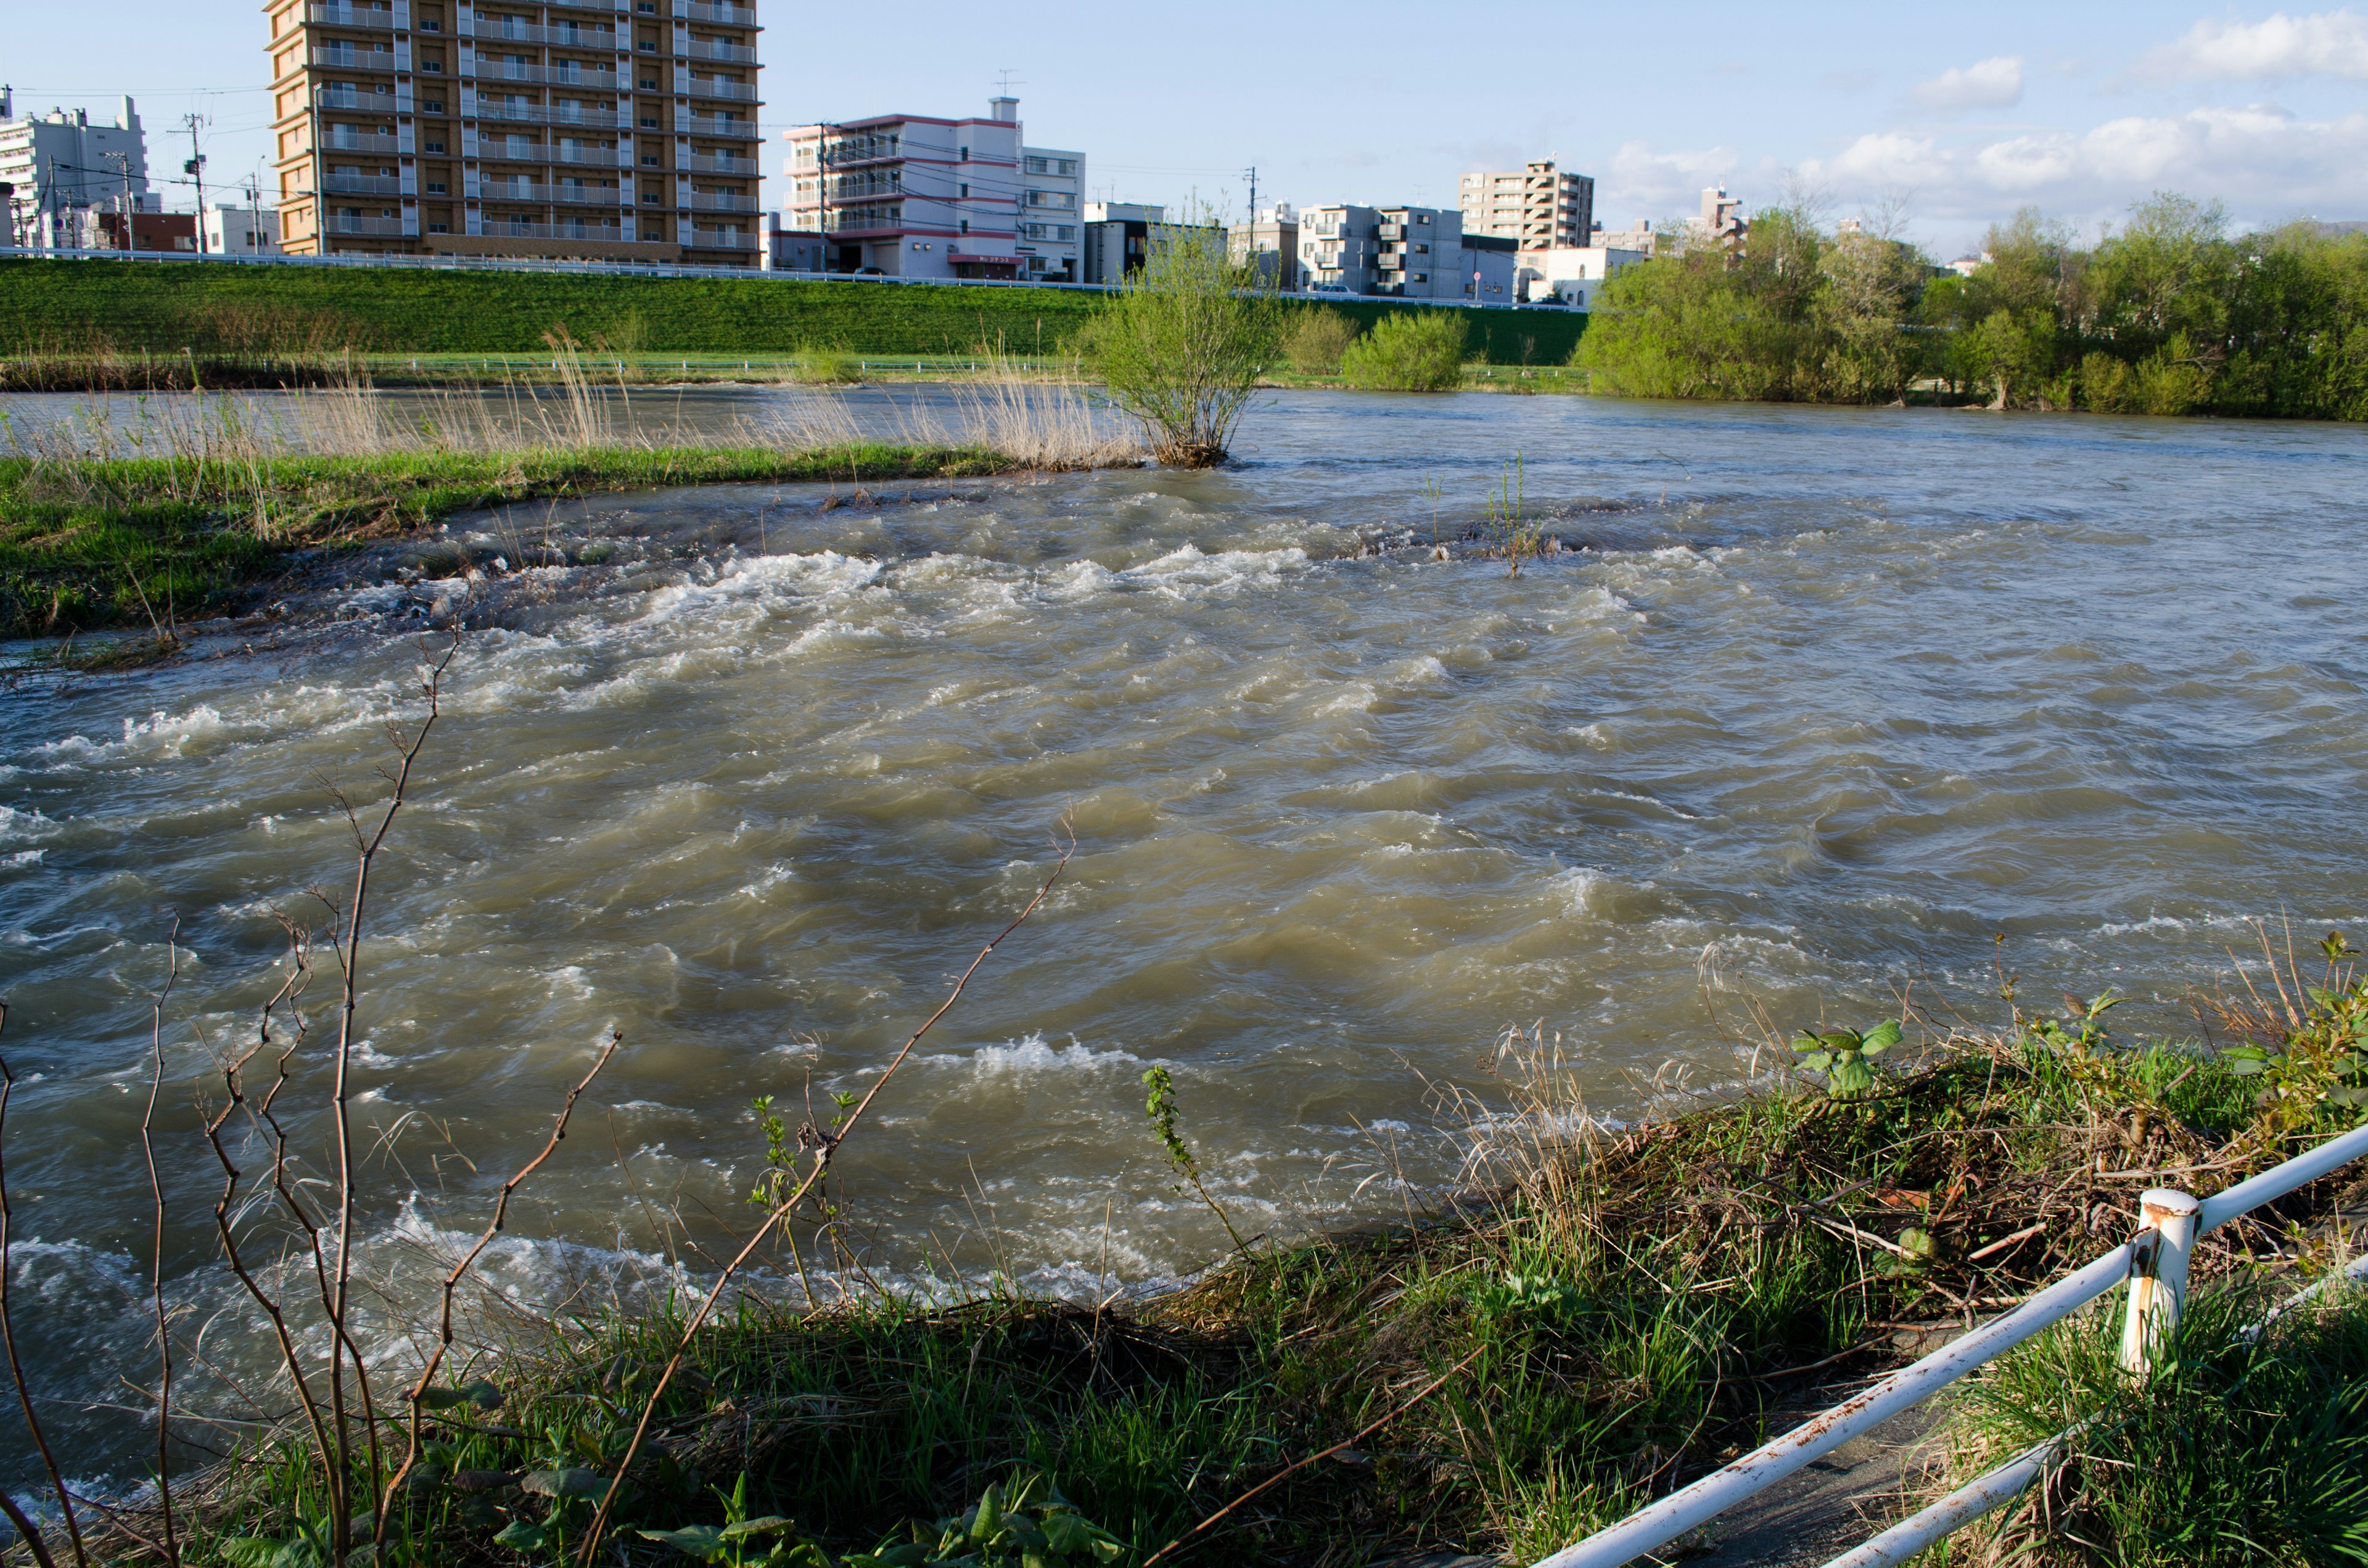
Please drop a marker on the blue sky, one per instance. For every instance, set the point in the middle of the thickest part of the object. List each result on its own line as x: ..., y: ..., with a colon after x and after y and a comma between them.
x: 1964, y: 112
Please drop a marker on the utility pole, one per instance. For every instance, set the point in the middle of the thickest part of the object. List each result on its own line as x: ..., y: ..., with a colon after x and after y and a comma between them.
x: 123, y: 162
x: 195, y: 169
x: 1251, y: 174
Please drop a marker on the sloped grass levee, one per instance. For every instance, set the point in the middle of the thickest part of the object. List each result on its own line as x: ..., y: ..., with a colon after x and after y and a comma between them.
x: 1615, y: 1310
x: 75, y: 324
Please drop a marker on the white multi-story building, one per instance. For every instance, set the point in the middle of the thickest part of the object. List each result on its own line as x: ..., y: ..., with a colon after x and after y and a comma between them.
x: 1052, y: 214
x: 1407, y: 252
x: 1539, y: 208
x: 1573, y: 273
x: 61, y: 168
x: 911, y: 195
x: 242, y: 231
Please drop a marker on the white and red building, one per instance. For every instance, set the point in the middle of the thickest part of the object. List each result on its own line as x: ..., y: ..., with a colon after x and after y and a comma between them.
x: 910, y: 196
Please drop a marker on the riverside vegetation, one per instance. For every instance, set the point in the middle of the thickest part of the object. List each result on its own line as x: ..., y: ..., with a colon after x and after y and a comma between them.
x: 187, y: 510
x: 2171, y: 316
x: 1592, y: 1314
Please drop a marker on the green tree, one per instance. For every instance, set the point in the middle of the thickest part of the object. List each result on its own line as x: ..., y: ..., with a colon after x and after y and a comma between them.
x: 1183, y: 344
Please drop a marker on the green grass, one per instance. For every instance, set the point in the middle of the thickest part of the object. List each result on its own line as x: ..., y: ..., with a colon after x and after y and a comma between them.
x: 1631, y: 1312
x: 2238, y: 1448
x: 147, y: 315
x: 97, y: 542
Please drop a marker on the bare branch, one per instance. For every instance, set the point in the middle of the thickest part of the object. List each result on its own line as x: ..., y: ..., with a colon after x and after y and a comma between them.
x: 828, y: 1145
x: 9, y: 1327
x: 156, y: 1265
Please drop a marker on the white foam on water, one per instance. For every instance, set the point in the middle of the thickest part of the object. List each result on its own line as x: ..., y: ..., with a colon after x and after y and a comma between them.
x: 28, y: 826
x: 1032, y: 1054
x: 747, y: 577
x: 21, y: 859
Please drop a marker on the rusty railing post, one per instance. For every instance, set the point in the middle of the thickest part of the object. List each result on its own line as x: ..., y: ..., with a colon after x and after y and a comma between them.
x: 2157, y: 1276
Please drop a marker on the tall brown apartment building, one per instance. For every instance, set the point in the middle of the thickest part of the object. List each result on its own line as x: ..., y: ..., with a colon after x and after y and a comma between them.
x: 1540, y: 208
x: 586, y: 130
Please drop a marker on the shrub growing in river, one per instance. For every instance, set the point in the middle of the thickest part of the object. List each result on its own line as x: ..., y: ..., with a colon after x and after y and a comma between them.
x: 1183, y: 344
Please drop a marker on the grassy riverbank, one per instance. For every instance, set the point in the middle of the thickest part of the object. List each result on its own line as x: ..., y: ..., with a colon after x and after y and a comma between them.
x: 67, y: 323
x: 96, y: 542
x: 1594, y: 1322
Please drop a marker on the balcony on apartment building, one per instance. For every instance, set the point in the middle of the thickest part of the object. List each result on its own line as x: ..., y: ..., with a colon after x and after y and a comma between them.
x: 345, y: 57
x: 720, y: 15
x: 565, y: 35
x: 387, y: 146
x: 717, y: 88
x: 729, y: 53
x: 345, y: 94
x: 576, y: 229
x: 591, y: 157
x: 562, y: 73
x: 722, y: 202
x: 698, y: 124
x: 720, y: 163
x: 522, y: 113
x: 341, y: 223
x: 361, y: 184
x: 381, y: 17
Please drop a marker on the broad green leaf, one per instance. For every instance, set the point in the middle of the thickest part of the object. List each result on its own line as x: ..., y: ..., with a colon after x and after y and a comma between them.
x: 521, y: 1537
x: 700, y: 1541
x: 1852, y: 1076
x: 989, y: 1517
x: 1840, y: 1039
x: 483, y: 1394
x: 1805, y: 1040
x: 1819, y: 1062
x: 771, y: 1524
x: 2247, y: 1066
x: 251, y: 1551
x: 1881, y: 1038
x: 442, y: 1399
x: 576, y: 1483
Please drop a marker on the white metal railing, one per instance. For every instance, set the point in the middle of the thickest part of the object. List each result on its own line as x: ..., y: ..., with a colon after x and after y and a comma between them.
x: 605, y: 233
x: 717, y: 88
x: 705, y: 48
x: 536, y: 114
x: 390, y: 145
x: 717, y: 164
x: 591, y: 195
x: 699, y: 124
x: 727, y: 15
x: 722, y: 202
x: 385, y: 227
x: 361, y: 184
x: 354, y: 59
x: 2154, y: 1262
x: 592, y: 157
x: 352, y: 16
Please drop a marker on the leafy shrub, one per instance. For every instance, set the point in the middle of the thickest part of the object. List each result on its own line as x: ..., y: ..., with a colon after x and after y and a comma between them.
x: 1316, y: 339
x: 2105, y: 385
x: 1842, y: 1056
x: 1414, y: 351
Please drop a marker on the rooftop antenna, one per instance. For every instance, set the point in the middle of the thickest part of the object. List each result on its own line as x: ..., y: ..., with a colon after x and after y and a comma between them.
x: 1005, y: 81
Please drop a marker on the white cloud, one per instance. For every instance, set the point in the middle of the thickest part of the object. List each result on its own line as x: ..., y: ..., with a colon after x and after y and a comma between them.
x: 2266, y: 163
x: 1647, y: 183
x: 1994, y: 82
x: 2324, y: 44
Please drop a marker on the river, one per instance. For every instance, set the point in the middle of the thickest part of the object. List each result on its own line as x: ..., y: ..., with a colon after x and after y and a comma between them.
x: 1816, y: 708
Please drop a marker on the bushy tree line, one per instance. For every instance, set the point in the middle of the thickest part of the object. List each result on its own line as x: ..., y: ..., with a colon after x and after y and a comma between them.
x: 2170, y: 315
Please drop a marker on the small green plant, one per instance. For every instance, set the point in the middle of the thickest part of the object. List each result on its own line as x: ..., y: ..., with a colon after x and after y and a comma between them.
x: 827, y: 368
x: 1842, y: 1055
x: 1515, y: 534
x: 1160, y: 1109
x: 770, y: 1541
x: 1028, y: 1525
x: 1416, y: 350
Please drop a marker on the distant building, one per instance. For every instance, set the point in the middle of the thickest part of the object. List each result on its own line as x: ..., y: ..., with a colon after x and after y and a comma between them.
x: 1573, y: 273
x: 792, y: 250
x: 1540, y: 207
x: 99, y: 229
x: 1268, y: 243
x: 1966, y: 265
x: 614, y: 131
x: 1404, y: 252
x: 242, y: 231
x: 1722, y: 221
x: 1119, y: 235
x: 1051, y: 210
x: 62, y: 169
x: 909, y: 195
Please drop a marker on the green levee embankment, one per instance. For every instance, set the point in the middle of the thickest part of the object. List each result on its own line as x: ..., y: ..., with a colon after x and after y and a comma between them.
x: 167, y: 308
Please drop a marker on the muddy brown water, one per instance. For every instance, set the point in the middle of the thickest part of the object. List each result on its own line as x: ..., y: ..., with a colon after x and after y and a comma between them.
x: 1835, y: 698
